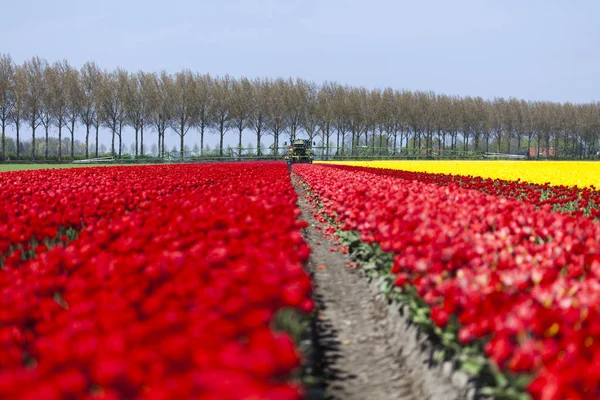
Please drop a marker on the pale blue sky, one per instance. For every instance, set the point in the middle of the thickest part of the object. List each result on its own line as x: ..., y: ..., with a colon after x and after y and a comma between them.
x: 531, y: 49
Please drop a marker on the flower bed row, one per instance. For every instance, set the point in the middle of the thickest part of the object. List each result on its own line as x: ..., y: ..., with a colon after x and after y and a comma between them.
x: 521, y: 282
x: 567, y: 199
x: 173, y: 299
x: 43, y: 205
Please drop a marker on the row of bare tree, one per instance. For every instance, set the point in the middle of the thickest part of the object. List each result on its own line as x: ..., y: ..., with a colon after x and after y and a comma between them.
x: 38, y: 95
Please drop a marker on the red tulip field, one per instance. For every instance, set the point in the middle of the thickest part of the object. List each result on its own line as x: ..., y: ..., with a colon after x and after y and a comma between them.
x: 510, y: 277
x: 168, y: 269
x: 165, y: 281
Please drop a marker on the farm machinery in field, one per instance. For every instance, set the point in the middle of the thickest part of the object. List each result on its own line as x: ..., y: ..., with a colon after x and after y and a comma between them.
x: 299, y: 151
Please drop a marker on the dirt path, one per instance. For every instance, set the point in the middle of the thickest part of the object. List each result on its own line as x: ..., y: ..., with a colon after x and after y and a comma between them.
x: 363, y: 345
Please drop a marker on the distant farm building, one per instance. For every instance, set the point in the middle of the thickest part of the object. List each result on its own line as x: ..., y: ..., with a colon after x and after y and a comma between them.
x: 543, y: 152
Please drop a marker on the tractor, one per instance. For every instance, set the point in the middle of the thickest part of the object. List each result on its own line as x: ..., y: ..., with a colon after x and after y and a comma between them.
x: 299, y: 151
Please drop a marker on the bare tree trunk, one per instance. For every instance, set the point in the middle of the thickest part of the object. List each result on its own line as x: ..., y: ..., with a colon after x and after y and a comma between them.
x: 373, y: 138
x: 47, y: 127
x: 120, y: 139
x: 97, y: 128
x: 202, y: 137
x: 373, y: 134
x: 240, y: 143
x: 136, y: 140
x: 18, y: 128
x: 142, y: 139
x: 181, y: 135
x: 72, y: 139
x: 329, y: 133
x: 258, y: 137
x: 222, y: 134
x: 112, y: 144
x: 159, y: 146
x: 428, y: 142
x: 59, y: 140
x: 33, y: 140
x: 276, y: 141
x: 87, y: 140
x: 372, y: 144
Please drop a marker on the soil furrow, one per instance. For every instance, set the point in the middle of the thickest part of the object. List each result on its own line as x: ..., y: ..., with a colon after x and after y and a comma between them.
x: 352, y: 329
x: 360, y: 337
